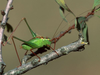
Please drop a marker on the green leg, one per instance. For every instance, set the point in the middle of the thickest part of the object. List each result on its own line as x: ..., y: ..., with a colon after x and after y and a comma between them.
x: 27, y: 42
x: 33, y: 34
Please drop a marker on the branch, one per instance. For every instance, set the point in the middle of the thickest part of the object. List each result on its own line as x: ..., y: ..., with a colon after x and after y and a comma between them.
x: 2, y: 27
x: 88, y: 16
x: 76, y: 46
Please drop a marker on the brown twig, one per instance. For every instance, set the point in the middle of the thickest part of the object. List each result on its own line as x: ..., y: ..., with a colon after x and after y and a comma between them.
x: 72, y: 27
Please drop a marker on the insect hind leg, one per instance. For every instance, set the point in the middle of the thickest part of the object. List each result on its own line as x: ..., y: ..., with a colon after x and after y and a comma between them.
x: 16, y: 50
x: 53, y: 49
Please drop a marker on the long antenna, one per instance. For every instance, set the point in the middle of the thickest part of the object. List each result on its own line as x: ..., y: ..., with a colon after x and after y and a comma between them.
x: 69, y: 22
x: 59, y: 26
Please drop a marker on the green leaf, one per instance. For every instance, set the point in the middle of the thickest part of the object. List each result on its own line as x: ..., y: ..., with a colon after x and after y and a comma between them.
x: 4, y: 37
x: 97, y: 16
x: 63, y: 7
x: 61, y: 13
x: 8, y: 27
x: 79, y: 23
x: 96, y: 2
x: 81, y: 26
x: 85, y: 33
x: 97, y: 9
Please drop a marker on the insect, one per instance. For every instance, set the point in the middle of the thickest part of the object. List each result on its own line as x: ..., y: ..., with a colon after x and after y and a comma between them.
x: 35, y: 42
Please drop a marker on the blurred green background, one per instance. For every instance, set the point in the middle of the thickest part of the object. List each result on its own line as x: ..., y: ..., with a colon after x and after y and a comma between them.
x: 44, y: 18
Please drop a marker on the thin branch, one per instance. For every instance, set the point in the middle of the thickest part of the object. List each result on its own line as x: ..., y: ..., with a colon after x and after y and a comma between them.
x: 8, y: 8
x: 88, y: 16
x: 2, y: 27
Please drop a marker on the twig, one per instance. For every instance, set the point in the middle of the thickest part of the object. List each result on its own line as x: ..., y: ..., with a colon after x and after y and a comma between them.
x: 2, y: 27
x: 88, y: 16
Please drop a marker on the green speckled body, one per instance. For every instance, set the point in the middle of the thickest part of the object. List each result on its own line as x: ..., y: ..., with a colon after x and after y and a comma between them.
x: 36, y: 43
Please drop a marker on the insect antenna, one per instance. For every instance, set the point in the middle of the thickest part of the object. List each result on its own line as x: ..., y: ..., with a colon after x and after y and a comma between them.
x: 69, y: 22
x: 84, y: 12
x: 59, y: 26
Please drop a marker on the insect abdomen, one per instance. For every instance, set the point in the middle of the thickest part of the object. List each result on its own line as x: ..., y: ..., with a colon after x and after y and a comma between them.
x: 37, y: 43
